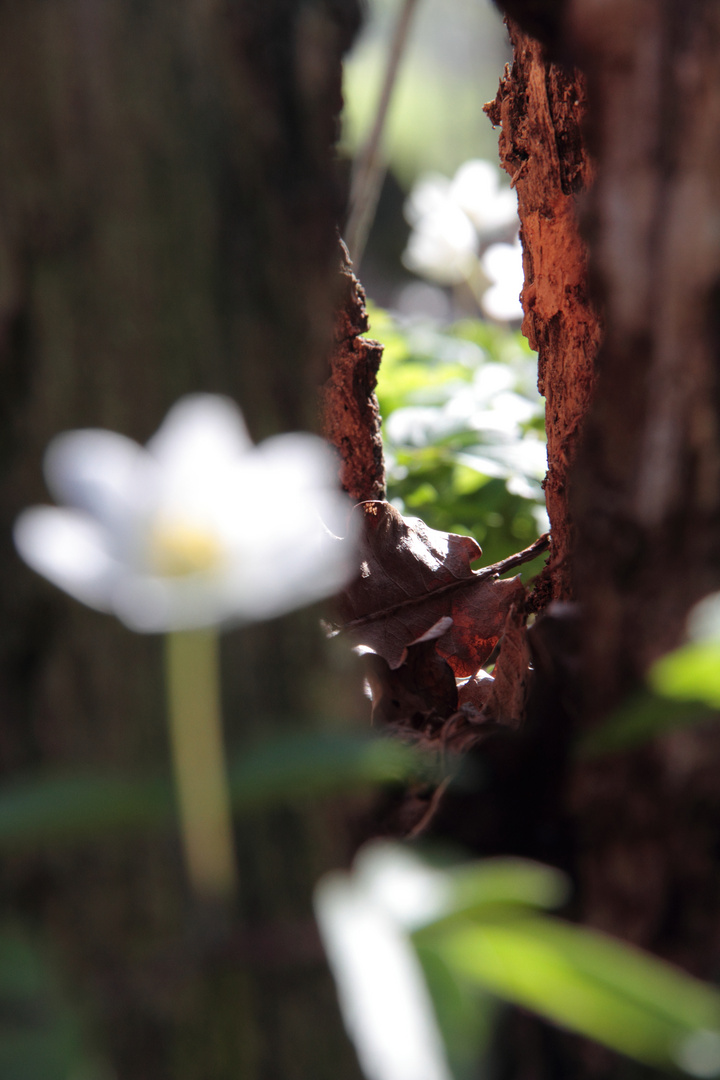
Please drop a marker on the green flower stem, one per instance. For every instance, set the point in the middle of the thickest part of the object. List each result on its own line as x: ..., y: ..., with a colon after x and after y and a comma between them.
x: 193, y: 688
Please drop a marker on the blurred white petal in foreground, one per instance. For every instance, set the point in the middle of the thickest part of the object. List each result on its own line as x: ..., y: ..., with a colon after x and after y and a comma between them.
x: 364, y: 918
x: 198, y: 528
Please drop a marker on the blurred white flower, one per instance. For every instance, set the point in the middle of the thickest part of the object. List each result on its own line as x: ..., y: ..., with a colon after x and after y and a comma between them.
x: 430, y: 194
x: 476, y: 188
x: 703, y: 622
x: 452, y: 220
x: 198, y: 528
x: 364, y: 919
x: 442, y: 245
x: 502, y: 263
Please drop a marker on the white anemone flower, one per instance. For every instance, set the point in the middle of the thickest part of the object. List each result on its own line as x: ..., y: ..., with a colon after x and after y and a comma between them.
x: 449, y: 219
x: 198, y: 528
x: 503, y: 265
x: 430, y: 194
x: 364, y: 920
x: 476, y: 188
x: 443, y: 245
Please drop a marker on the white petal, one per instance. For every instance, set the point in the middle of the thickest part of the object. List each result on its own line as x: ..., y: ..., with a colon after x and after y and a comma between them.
x: 200, y: 433
x: 409, y: 890
x: 299, y: 460
x: 704, y: 619
x: 476, y: 188
x: 299, y: 564
x: 296, y: 467
x: 475, y: 180
x: 431, y: 193
x: 151, y: 604
x: 502, y: 302
x: 442, y: 246
x: 383, y: 996
x: 503, y: 263
x: 69, y: 549
x: 290, y: 569
x: 106, y: 474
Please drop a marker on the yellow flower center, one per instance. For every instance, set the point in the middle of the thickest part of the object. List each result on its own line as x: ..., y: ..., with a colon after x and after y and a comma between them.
x: 178, y: 549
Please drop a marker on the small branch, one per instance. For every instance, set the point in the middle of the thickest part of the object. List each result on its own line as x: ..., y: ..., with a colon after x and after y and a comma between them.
x: 526, y: 555
x: 478, y: 576
x: 369, y: 166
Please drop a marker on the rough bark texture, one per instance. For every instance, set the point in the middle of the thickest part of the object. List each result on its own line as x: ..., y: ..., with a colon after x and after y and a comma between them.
x: 351, y: 418
x: 540, y: 107
x: 168, y: 223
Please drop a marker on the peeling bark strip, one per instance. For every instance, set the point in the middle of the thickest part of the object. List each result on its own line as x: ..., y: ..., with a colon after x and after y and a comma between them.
x: 540, y: 107
x: 350, y: 414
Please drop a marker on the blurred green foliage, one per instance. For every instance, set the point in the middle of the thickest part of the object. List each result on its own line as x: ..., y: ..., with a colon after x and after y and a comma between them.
x: 683, y: 688
x: 43, y: 809
x: 41, y: 1032
x: 453, y: 60
x: 690, y: 674
x: 494, y: 940
x: 463, y: 430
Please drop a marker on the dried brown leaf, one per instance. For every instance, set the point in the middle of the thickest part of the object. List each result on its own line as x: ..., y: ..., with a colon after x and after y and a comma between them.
x: 421, y: 688
x: 410, y: 578
x: 502, y: 697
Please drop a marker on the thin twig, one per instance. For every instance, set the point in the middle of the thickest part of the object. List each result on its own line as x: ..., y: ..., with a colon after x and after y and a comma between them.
x: 478, y: 576
x: 419, y: 828
x: 369, y: 167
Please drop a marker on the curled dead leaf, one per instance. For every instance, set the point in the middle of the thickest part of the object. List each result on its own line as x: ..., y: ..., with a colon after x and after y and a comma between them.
x: 421, y: 690
x: 411, y: 577
x: 502, y: 699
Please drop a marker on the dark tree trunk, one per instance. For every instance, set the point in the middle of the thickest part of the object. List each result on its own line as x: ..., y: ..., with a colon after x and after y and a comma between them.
x: 634, y: 455
x: 168, y: 223
x: 648, y: 480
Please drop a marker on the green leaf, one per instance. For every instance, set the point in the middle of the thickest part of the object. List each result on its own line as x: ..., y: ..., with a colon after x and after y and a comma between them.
x: 464, y: 1011
x: 41, y: 1034
x: 691, y: 673
x: 587, y: 982
x: 47, y: 807
x: 460, y: 457
x: 507, y: 881
x: 308, y: 765
x: 643, y: 717
x: 67, y: 808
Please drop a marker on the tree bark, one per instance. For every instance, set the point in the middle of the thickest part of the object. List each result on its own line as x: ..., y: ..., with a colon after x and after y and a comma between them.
x: 351, y: 417
x: 168, y: 223
x: 647, y: 492
x: 635, y: 503
x: 540, y: 107
x: 650, y: 474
